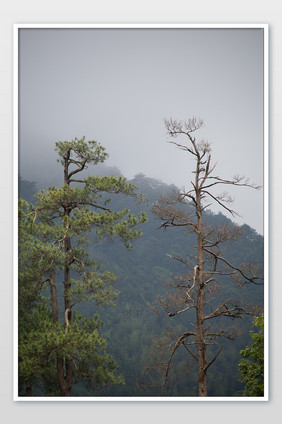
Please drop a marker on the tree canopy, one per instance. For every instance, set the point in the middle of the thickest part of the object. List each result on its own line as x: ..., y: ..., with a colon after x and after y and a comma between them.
x: 252, y: 363
x: 141, y: 274
x: 53, y: 235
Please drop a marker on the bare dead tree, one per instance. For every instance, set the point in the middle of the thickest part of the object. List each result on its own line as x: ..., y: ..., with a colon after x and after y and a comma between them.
x: 193, y: 290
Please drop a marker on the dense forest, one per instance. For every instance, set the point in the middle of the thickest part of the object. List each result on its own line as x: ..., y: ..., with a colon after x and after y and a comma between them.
x: 131, y: 326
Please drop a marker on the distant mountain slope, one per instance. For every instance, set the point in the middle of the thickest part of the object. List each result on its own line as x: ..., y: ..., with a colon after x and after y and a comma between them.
x: 131, y: 325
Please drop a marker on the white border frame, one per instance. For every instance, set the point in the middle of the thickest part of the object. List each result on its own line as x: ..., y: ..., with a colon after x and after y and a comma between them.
x: 16, y: 29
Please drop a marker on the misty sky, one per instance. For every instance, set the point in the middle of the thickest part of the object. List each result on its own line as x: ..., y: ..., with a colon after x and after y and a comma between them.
x: 116, y: 86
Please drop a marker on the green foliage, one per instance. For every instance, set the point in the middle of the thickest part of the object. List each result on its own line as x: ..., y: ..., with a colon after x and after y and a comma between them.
x: 40, y: 344
x: 252, y: 364
x: 86, y: 213
x: 90, y: 152
x: 130, y: 327
x: 36, y: 256
x: 96, y: 286
x: 53, y: 235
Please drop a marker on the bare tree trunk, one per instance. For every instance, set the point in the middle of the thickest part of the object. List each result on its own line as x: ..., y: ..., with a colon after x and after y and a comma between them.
x: 201, y: 346
x: 200, y: 337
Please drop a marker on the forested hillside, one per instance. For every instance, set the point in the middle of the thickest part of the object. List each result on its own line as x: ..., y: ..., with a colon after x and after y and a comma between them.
x: 131, y: 326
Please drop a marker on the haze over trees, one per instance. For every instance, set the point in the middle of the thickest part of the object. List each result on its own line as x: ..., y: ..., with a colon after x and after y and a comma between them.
x: 53, y: 235
x: 58, y: 276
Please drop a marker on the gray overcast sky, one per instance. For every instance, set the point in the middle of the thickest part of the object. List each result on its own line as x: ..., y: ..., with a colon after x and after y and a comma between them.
x: 116, y: 86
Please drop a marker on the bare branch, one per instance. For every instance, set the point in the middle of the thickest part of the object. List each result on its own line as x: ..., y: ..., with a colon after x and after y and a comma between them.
x: 237, y: 181
x: 195, y: 290
x: 183, y: 147
x: 173, y: 314
x: 251, y: 279
x: 212, y: 361
x: 219, y: 201
x: 165, y: 209
x: 225, y: 310
x: 179, y: 259
x: 220, y: 334
x: 177, y: 344
x: 175, y: 127
x: 191, y: 353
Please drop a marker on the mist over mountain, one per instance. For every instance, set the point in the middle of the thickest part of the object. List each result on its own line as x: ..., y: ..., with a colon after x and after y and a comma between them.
x: 117, y: 86
x: 131, y: 326
x: 51, y: 174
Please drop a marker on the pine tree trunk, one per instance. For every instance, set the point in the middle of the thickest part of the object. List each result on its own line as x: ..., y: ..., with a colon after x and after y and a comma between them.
x: 63, y: 370
x: 64, y: 365
x: 54, y: 299
x: 64, y: 378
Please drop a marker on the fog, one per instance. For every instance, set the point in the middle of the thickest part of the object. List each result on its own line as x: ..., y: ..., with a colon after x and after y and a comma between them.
x: 116, y: 86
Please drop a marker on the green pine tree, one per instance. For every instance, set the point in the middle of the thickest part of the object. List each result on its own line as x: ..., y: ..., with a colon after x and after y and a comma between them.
x: 61, y: 348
